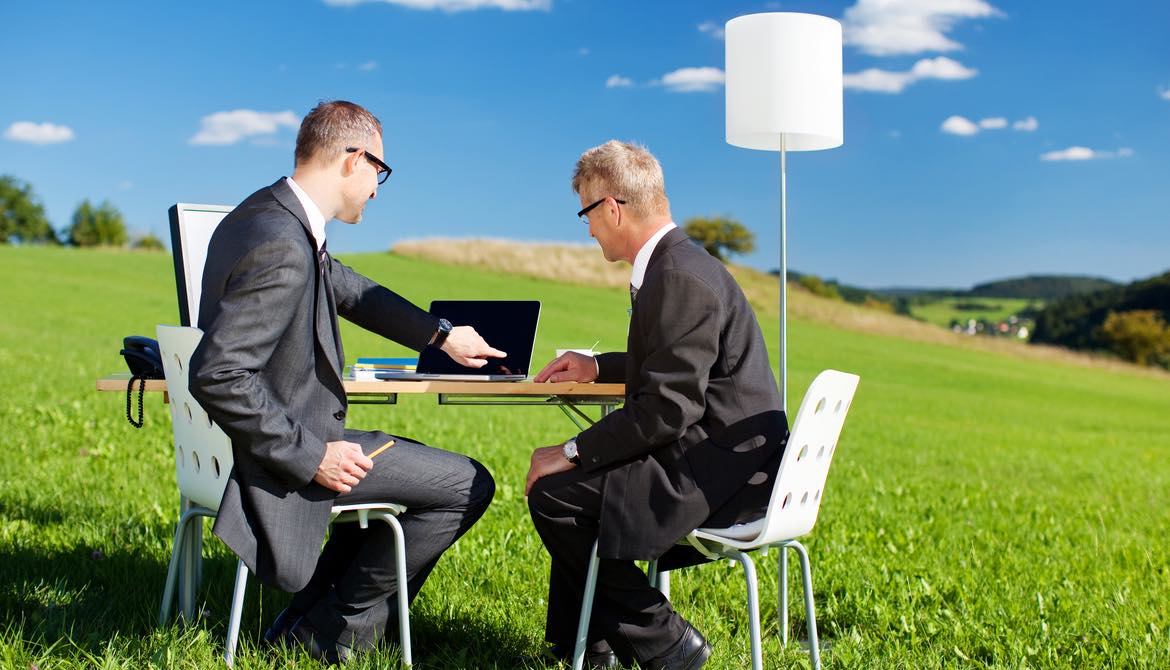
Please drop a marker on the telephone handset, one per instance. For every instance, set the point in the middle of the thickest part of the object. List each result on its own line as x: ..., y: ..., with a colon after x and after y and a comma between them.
x: 145, y: 362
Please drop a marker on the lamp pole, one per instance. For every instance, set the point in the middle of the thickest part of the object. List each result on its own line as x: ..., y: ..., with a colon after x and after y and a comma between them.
x: 783, y: 276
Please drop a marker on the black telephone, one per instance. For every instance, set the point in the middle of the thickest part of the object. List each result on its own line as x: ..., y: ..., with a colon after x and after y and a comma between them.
x: 145, y: 362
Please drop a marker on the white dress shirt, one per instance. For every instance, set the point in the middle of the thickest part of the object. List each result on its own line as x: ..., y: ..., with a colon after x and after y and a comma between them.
x: 643, y: 258
x: 316, y: 218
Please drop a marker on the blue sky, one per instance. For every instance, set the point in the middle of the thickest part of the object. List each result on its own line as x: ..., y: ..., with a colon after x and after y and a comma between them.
x: 983, y: 138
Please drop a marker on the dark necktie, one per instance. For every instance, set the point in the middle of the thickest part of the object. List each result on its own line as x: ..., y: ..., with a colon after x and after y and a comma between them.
x: 633, y: 294
x: 322, y: 257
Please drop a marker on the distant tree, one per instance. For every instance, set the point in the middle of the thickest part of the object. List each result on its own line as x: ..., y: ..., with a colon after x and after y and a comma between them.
x: 148, y: 242
x: 816, y: 286
x: 880, y: 305
x: 720, y: 236
x: 22, y: 217
x: 97, y: 226
x: 1139, y: 335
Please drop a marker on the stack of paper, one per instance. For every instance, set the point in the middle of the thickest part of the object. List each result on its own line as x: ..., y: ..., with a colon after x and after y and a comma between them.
x: 367, y: 369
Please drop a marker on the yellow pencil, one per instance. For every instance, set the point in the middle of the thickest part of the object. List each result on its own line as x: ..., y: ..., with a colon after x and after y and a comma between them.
x: 382, y: 448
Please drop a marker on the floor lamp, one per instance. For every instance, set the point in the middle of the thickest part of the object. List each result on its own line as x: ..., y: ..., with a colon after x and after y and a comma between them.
x: 784, y: 94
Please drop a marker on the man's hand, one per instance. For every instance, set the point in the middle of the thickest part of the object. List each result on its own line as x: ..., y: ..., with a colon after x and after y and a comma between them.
x: 546, y: 461
x: 468, y: 349
x: 569, y: 367
x: 343, y: 467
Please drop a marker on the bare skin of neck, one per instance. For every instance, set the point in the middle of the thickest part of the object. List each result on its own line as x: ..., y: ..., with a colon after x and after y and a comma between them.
x: 640, y: 231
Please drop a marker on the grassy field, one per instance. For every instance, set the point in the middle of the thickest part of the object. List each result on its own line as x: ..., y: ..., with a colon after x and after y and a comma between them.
x: 984, y: 510
x: 942, y: 312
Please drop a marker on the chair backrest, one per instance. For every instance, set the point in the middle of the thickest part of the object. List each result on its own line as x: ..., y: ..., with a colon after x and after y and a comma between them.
x: 191, y: 229
x: 203, y: 453
x: 800, y: 482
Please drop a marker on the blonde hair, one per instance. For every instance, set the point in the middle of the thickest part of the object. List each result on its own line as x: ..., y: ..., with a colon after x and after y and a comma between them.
x: 624, y: 171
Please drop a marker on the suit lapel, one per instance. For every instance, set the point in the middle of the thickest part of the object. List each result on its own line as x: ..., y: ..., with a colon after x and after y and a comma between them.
x: 328, y: 337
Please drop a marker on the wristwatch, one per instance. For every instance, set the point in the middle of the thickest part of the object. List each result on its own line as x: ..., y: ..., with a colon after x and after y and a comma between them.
x: 569, y: 449
x: 441, y: 336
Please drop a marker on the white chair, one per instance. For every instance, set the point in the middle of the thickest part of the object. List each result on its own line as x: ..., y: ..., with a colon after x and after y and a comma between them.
x: 203, y: 460
x: 191, y: 229
x: 792, y: 512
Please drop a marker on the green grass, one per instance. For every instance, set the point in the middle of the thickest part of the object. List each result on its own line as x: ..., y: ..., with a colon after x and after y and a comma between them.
x: 941, y: 312
x: 982, y: 511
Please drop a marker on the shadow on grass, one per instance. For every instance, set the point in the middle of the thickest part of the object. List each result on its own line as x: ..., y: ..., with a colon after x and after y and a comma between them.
x: 91, y: 598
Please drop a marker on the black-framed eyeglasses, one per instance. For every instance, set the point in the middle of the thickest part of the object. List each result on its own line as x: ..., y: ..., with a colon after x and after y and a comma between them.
x: 383, y: 169
x: 584, y: 214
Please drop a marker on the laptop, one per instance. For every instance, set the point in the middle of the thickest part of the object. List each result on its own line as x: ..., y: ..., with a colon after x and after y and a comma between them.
x: 507, y: 325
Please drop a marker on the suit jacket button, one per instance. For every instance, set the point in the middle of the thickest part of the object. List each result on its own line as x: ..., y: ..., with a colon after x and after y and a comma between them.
x: 339, y: 415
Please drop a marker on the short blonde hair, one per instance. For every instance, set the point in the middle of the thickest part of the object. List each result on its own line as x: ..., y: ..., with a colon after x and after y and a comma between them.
x: 624, y: 171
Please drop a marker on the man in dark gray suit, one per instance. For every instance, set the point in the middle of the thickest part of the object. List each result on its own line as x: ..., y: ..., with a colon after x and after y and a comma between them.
x: 697, y: 442
x: 268, y: 370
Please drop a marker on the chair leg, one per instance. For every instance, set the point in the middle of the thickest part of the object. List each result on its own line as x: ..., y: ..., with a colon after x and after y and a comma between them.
x: 658, y: 580
x: 586, y: 610
x: 782, y: 609
x: 749, y: 574
x: 403, y: 596
x: 237, y: 612
x: 814, y: 651
x: 178, y: 555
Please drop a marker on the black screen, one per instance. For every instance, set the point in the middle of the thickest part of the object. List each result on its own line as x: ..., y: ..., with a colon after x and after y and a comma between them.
x: 507, y: 325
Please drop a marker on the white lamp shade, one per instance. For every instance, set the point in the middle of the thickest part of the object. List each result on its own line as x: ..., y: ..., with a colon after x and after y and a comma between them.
x: 784, y: 80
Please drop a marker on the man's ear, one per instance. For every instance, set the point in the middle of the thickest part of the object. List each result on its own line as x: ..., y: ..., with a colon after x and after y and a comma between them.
x: 349, y: 165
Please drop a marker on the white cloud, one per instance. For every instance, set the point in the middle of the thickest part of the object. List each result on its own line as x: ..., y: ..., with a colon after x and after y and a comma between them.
x: 455, y: 5
x: 38, y: 133
x: 231, y: 127
x: 1084, y: 154
x: 876, y: 80
x: 889, y: 27
x: 368, y: 66
x: 711, y: 28
x: 1026, y: 125
x: 693, y: 79
x: 1164, y: 93
x: 583, y: 51
x: 941, y: 67
x: 125, y: 184
x: 618, y: 81
x: 959, y: 125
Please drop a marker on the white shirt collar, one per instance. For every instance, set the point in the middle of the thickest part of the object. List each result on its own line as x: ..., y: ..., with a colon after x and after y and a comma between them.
x: 643, y: 258
x: 316, y: 218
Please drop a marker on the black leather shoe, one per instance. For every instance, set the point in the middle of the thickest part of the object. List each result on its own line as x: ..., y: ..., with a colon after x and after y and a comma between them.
x: 689, y: 653
x: 329, y: 652
x: 278, y: 631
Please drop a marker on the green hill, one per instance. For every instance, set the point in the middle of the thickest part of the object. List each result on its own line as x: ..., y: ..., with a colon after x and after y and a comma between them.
x: 1040, y: 287
x: 984, y: 509
x: 1075, y: 321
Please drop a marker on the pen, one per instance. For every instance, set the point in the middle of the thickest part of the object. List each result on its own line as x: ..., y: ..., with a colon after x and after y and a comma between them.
x: 382, y: 448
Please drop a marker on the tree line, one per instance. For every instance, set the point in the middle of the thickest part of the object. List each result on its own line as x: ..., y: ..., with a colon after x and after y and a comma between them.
x: 1130, y: 321
x: 23, y: 221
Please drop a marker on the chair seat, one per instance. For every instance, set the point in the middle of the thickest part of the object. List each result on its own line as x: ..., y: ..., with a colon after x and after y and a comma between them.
x: 392, y: 508
x: 745, y: 532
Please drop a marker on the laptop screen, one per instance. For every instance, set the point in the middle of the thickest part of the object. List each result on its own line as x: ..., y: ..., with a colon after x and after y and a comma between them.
x: 507, y: 325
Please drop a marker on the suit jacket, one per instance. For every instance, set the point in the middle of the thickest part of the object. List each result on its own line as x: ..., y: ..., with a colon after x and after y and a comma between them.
x: 268, y: 371
x: 699, y: 438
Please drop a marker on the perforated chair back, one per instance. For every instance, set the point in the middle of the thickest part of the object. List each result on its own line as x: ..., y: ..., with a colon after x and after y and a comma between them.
x: 800, y: 482
x: 203, y: 453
